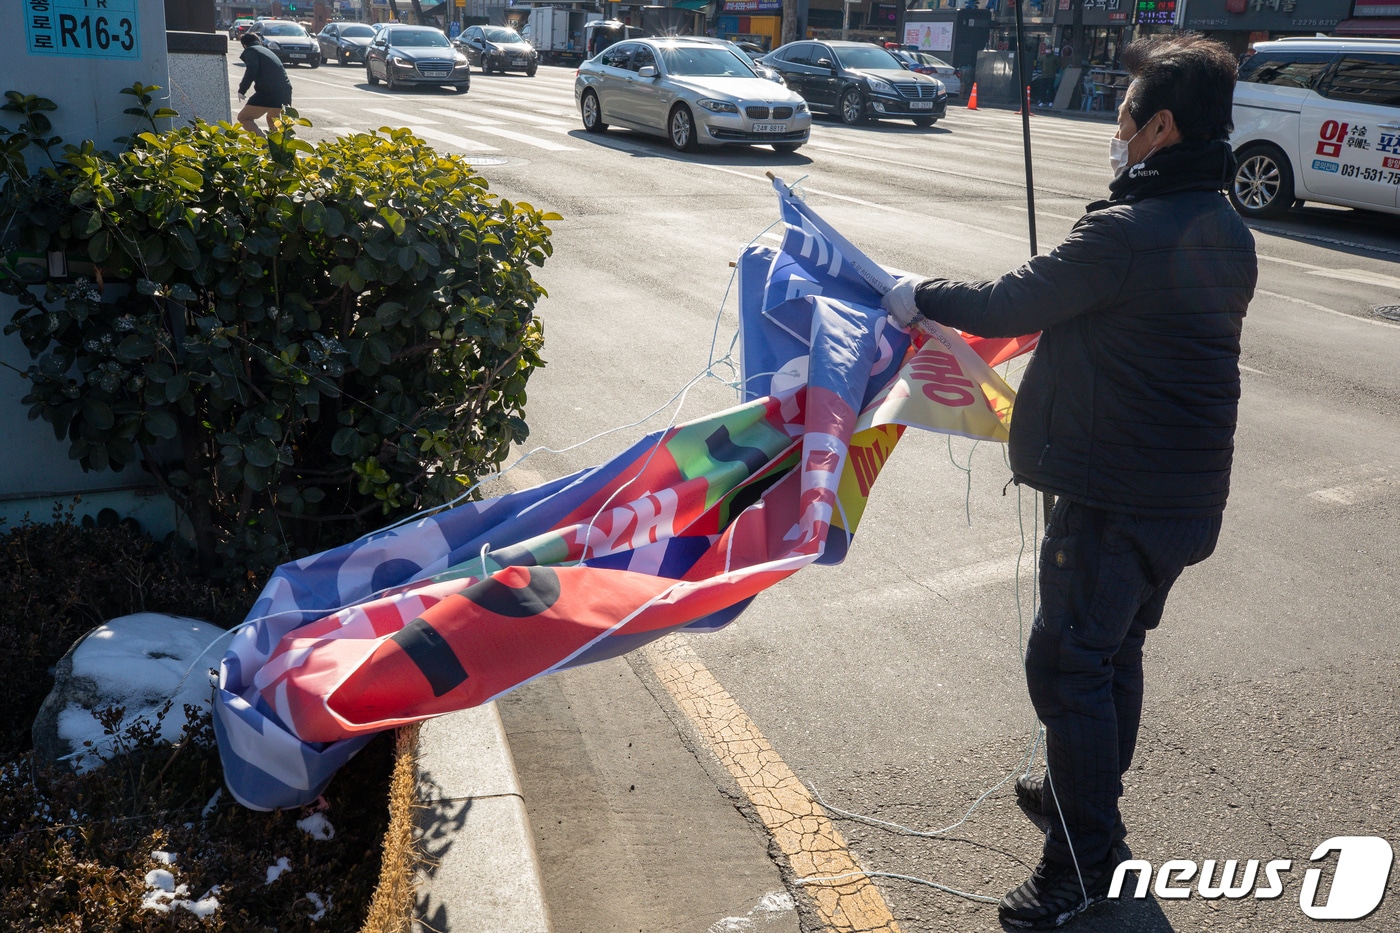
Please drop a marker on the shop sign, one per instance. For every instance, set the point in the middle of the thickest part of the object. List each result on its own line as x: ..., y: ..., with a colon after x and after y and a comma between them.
x: 1376, y: 8
x: 753, y: 6
x: 1267, y: 15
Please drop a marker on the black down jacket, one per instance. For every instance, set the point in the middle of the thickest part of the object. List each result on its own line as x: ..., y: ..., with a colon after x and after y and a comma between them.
x: 1129, y: 403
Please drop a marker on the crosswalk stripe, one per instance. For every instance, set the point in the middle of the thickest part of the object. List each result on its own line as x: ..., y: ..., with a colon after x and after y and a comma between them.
x: 461, y: 142
x: 877, y: 143
x: 462, y: 115
x: 398, y: 115
x: 532, y: 118
x: 493, y: 127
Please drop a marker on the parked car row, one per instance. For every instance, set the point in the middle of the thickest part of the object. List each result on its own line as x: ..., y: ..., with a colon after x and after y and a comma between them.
x: 708, y: 92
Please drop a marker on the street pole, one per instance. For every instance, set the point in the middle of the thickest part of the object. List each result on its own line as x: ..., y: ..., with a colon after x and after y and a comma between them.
x: 1023, y: 89
x: 845, y: 18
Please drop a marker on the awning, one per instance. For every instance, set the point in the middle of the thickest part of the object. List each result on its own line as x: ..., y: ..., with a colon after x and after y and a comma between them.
x: 1368, y: 26
x: 691, y: 4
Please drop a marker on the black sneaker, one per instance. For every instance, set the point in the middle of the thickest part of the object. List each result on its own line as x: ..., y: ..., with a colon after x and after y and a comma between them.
x: 1030, y: 793
x: 1053, y: 894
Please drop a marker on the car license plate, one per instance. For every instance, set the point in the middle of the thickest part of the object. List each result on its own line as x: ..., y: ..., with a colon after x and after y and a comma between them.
x: 297, y: 55
x: 770, y: 127
x: 921, y: 105
x: 517, y: 61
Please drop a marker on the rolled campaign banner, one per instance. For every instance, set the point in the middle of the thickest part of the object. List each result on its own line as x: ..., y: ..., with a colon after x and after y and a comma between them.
x: 679, y: 532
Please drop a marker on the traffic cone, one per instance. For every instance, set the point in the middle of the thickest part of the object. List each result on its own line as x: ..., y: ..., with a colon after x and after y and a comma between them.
x: 972, y: 98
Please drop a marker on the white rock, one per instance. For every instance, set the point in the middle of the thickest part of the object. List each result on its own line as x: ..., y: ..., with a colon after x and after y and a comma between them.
x: 137, y: 662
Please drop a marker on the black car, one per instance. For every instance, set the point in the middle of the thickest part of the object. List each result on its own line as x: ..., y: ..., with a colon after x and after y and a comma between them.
x: 404, y: 55
x: 498, y: 48
x: 344, y: 43
x: 858, y: 81
x: 288, y: 41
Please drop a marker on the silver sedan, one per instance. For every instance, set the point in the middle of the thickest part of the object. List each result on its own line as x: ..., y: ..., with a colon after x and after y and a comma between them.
x: 693, y: 93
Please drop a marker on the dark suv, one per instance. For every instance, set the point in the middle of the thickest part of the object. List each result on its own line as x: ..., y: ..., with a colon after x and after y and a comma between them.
x: 858, y: 81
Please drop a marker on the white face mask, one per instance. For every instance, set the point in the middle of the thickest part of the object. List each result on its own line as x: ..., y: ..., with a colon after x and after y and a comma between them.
x: 1118, y: 151
x: 1118, y: 154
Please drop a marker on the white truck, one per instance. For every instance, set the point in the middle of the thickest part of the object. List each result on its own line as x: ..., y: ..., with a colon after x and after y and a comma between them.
x: 557, y: 33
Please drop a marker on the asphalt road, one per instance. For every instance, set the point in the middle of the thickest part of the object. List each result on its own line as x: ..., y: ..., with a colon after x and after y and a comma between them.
x: 891, y: 683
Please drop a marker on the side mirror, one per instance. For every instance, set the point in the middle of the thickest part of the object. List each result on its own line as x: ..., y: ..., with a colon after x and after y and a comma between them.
x: 646, y: 71
x: 824, y: 63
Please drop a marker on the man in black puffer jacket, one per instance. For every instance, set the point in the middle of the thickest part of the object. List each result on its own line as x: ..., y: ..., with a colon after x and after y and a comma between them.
x: 1126, y: 414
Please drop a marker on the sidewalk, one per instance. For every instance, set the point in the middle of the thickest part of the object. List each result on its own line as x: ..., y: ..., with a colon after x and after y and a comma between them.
x: 482, y: 875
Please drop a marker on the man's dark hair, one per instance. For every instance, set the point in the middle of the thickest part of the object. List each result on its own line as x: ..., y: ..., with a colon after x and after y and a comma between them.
x: 249, y: 38
x: 1190, y: 75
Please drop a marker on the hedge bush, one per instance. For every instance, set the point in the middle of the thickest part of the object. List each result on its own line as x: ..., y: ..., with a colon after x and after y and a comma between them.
x: 310, y: 337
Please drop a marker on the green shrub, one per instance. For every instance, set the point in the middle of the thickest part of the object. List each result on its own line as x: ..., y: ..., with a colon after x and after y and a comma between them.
x: 313, y: 337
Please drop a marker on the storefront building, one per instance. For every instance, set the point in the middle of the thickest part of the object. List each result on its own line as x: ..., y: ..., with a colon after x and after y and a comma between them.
x: 862, y: 20
x: 756, y: 21
x: 1375, y: 18
x: 1107, y: 27
x: 1241, y: 23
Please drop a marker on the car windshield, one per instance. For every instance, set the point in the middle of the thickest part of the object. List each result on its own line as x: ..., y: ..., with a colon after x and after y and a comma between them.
x: 501, y: 34
x: 704, y: 62
x: 867, y: 58
x: 283, y: 29
x: 418, y: 39
x: 357, y: 32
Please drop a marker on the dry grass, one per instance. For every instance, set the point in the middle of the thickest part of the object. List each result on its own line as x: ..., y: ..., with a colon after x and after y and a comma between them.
x: 391, y: 909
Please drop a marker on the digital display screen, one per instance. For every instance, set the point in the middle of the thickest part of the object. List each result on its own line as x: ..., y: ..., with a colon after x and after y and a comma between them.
x: 1156, y: 12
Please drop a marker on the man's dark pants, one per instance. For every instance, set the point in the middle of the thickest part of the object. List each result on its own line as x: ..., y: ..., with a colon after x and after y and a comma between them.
x: 1104, y: 579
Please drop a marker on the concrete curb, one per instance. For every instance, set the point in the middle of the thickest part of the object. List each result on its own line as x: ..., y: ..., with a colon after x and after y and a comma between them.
x: 482, y: 874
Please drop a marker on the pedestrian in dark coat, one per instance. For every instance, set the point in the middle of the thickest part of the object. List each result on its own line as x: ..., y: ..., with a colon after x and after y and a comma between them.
x: 265, y: 73
x: 1126, y: 414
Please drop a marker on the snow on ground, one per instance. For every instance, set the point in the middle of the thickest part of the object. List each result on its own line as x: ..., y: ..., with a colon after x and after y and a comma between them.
x: 761, y: 916
x: 276, y: 871
x: 164, y: 894
x: 317, y: 827
x: 321, y: 906
x: 139, y: 662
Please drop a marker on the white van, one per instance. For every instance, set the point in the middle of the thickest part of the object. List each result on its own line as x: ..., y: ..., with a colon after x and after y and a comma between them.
x: 1318, y: 120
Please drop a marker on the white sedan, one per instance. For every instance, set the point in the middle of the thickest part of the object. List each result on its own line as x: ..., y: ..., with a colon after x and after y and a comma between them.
x: 691, y: 92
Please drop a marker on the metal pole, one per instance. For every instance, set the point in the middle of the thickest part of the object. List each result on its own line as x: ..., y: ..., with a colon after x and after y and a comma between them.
x: 1023, y: 89
x: 1025, y: 93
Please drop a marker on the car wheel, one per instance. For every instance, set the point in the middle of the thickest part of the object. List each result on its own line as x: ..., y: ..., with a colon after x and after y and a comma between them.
x: 786, y: 147
x: 463, y: 88
x: 681, y: 129
x: 925, y: 121
x: 592, y: 113
x: 530, y: 72
x: 315, y: 62
x: 1263, y: 182
x: 851, y: 110
x: 369, y: 75
x: 389, y: 81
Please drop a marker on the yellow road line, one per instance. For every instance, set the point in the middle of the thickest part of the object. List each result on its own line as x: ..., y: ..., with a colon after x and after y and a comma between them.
x: 796, y: 822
